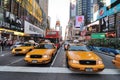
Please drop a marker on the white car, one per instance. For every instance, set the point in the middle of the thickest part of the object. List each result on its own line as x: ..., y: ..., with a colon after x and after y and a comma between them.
x: 17, y: 44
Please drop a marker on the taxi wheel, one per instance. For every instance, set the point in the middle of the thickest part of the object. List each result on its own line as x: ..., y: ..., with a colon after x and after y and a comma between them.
x: 67, y: 63
x: 52, y: 58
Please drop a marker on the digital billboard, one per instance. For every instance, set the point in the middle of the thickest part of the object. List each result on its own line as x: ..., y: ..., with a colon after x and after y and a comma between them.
x: 80, y: 22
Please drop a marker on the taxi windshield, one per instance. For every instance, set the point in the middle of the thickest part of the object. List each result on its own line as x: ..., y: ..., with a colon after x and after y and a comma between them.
x: 77, y: 48
x: 45, y: 46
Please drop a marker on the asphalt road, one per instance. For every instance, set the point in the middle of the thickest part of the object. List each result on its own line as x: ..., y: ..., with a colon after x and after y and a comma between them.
x: 14, y: 68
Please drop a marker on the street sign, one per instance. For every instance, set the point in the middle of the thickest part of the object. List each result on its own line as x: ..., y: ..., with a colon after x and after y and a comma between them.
x: 98, y: 35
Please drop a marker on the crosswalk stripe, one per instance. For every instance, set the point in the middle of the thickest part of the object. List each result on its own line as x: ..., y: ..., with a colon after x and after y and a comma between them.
x: 52, y: 70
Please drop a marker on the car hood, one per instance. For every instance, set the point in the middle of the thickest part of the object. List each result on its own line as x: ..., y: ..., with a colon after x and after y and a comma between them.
x: 41, y: 51
x: 82, y: 55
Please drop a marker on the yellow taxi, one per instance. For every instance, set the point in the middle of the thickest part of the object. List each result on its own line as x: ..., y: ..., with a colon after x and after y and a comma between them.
x: 79, y: 57
x: 116, y: 61
x: 23, y: 49
x: 42, y: 54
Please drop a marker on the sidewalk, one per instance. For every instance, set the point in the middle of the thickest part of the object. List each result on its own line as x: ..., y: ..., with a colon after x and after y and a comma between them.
x: 6, y: 50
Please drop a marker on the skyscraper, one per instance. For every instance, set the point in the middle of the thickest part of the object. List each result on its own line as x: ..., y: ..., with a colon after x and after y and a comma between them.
x: 44, y: 6
x: 84, y: 8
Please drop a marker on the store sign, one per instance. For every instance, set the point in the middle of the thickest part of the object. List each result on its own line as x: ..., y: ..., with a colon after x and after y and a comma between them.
x: 32, y: 29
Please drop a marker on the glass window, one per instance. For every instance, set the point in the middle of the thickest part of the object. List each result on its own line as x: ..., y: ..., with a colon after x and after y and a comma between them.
x: 45, y: 46
x: 78, y: 48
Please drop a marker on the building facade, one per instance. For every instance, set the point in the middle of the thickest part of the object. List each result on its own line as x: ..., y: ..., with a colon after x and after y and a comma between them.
x: 16, y: 14
x: 44, y: 7
x: 84, y: 8
x: 106, y: 19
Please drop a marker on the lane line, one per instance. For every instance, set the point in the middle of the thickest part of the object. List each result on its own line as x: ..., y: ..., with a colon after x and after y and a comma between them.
x: 55, y: 57
x: 15, y: 61
x: 53, y: 70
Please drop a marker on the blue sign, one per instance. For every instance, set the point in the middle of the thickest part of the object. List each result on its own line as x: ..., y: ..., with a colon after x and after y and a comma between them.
x: 102, y: 13
x: 113, y: 10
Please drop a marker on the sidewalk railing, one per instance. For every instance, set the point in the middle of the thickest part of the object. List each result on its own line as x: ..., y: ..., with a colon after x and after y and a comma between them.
x: 105, y: 50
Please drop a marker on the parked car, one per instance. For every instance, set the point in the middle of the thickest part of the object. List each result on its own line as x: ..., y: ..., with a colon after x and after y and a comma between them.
x: 80, y: 58
x: 42, y: 54
x: 116, y: 61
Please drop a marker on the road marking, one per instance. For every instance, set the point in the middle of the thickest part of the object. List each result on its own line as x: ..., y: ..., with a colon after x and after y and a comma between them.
x: 55, y: 57
x: 53, y: 70
x: 15, y: 61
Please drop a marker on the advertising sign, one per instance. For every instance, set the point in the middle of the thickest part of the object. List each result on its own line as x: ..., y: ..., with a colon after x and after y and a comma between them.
x: 80, y: 22
x: 32, y: 29
x: 15, y: 21
x: 104, y: 24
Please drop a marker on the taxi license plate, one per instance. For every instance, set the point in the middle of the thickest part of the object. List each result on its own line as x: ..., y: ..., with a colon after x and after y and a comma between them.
x: 34, y: 61
x: 88, y: 69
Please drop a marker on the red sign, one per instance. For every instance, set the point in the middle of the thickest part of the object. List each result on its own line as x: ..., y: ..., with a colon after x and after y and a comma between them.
x: 101, y: 12
x: 80, y: 19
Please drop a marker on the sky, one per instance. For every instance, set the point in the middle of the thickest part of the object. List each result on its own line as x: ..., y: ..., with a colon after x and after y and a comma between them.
x: 59, y: 10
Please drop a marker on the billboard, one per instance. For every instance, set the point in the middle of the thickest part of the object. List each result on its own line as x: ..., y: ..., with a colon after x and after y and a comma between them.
x: 80, y: 22
x: 32, y: 29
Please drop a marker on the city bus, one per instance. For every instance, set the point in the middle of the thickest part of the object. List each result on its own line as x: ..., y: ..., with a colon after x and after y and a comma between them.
x: 54, y: 37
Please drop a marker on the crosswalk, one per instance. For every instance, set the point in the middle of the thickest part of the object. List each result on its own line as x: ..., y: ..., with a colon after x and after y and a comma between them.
x: 53, y: 70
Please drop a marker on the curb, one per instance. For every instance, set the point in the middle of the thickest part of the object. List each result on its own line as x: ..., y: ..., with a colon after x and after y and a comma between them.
x: 105, y: 53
